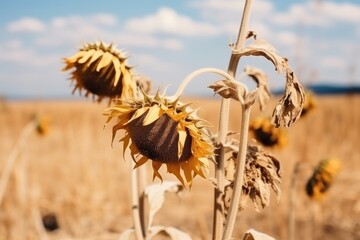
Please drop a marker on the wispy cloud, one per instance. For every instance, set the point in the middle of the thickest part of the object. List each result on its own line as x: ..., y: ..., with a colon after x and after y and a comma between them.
x: 324, y: 14
x: 27, y: 24
x: 168, y: 21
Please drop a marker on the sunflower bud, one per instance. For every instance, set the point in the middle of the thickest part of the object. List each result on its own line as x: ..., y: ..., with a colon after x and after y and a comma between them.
x: 102, y: 71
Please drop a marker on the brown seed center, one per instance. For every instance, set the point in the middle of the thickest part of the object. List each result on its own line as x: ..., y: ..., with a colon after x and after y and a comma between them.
x: 159, y: 140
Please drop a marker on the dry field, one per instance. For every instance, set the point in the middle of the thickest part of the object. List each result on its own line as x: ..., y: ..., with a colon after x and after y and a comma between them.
x: 74, y: 173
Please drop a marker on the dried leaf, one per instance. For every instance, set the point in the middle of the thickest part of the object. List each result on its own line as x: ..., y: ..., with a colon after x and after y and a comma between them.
x: 290, y: 106
x: 262, y: 173
x: 262, y: 48
x: 288, y: 110
x: 255, y: 235
x: 262, y: 84
x: 173, y: 233
x: 156, y: 193
x: 230, y: 89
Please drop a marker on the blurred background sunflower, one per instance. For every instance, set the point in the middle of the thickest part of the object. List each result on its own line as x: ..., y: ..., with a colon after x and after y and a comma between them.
x: 322, y: 178
x: 267, y: 134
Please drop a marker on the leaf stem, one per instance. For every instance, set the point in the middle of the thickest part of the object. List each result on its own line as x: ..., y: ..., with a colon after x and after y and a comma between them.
x: 194, y: 74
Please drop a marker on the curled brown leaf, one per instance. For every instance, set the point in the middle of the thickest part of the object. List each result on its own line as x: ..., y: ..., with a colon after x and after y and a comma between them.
x: 261, y: 47
x: 262, y: 84
x: 229, y: 89
x: 262, y: 173
x: 288, y: 109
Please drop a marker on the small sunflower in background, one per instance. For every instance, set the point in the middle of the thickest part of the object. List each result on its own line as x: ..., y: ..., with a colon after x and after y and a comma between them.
x: 267, y: 134
x: 322, y: 178
x: 101, y: 70
x: 163, y: 132
x: 310, y: 103
x: 42, y: 124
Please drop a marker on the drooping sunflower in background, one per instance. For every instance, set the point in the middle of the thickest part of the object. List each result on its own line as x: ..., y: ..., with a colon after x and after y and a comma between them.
x: 164, y: 132
x: 322, y: 178
x: 310, y: 103
x: 267, y: 134
x: 101, y: 70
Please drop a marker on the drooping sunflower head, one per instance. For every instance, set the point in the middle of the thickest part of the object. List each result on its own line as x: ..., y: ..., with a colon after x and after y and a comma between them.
x: 267, y: 134
x: 164, y: 132
x: 322, y: 178
x: 102, y: 71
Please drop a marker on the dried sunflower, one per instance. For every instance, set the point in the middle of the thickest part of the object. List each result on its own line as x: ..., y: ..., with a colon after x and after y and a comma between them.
x: 322, y: 178
x: 102, y: 71
x: 164, y: 132
x: 267, y: 134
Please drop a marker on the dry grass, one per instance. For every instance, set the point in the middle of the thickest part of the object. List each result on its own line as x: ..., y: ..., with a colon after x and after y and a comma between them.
x: 74, y: 173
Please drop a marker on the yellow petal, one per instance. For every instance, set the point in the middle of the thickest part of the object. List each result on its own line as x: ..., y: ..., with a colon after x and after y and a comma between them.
x: 86, y: 56
x: 117, y: 68
x: 181, y: 143
x: 105, y: 60
x: 133, y: 150
x: 141, y: 161
x: 178, y: 117
x: 138, y: 113
x: 152, y: 115
x: 156, y: 166
x: 121, y: 109
x: 174, y: 168
x: 95, y: 56
x: 188, y: 171
x: 75, y: 57
x: 68, y: 66
x: 126, y: 141
x: 127, y: 82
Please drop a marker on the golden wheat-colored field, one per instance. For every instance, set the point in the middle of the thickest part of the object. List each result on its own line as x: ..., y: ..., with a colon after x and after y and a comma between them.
x: 74, y: 174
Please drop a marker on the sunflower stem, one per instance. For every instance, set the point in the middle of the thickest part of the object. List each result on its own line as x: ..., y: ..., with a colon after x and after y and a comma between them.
x: 218, y: 217
x: 239, y: 173
x: 139, y: 231
x: 10, y: 162
x: 141, y: 182
x: 194, y: 74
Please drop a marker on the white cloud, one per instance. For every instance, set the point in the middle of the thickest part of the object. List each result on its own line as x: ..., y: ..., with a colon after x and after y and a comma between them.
x: 154, y: 62
x: 333, y: 62
x: 234, y: 6
x: 144, y: 40
x: 15, y: 51
x: 168, y: 21
x: 322, y: 14
x: 27, y: 24
x: 345, y: 12
x: 73, y: 30
x: 287, y: 38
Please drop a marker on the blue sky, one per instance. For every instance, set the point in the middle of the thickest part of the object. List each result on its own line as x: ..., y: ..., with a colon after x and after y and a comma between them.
x: 167, y: 40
